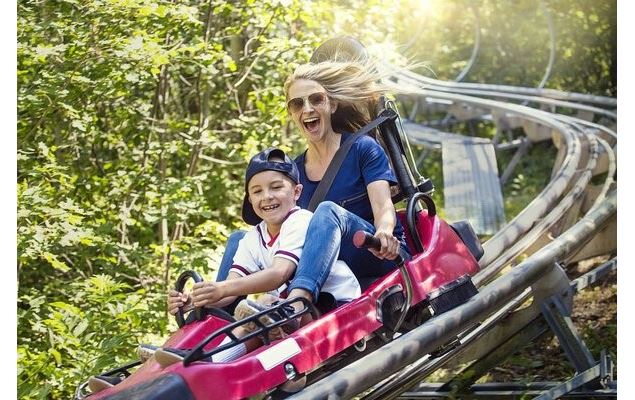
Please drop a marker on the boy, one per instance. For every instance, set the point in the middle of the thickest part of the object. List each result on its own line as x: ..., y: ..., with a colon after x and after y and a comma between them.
x: 268, y: 254
x: 264, y: 262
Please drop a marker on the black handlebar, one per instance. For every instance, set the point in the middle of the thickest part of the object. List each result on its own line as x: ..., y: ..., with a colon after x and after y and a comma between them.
x: 180, y: 284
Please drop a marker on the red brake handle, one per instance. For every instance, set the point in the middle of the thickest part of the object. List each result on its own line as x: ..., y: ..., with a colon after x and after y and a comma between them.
x: 363, y: 239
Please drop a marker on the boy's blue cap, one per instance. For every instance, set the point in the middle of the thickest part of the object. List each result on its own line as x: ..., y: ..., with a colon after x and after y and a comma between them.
x: 259, y: 163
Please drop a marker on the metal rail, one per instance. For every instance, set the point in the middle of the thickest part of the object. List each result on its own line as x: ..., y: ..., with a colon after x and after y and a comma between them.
x: 458, y: 87
x: 364, y: 373
x: 404, y: 79
x: 575, y: 139
x: 419, y: 370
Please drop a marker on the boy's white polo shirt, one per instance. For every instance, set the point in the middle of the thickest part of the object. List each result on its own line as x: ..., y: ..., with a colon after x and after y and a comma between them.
x: 257, y: 249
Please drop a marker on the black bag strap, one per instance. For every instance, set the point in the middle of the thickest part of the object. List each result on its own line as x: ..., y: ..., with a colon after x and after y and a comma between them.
x: 336, y: 162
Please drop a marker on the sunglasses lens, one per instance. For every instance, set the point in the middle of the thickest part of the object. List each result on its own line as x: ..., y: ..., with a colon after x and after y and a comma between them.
x: 317, y: 99
x: 295, y: 105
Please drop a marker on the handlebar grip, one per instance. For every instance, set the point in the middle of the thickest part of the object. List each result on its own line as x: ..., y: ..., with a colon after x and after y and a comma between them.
x: 179, y: 286
x: 363, y: 239
x: 185, y: 275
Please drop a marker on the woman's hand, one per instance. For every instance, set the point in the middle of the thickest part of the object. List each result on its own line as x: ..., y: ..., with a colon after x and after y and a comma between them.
x: 178, y: 299
x: 208, y: 293
x: 389, y: 245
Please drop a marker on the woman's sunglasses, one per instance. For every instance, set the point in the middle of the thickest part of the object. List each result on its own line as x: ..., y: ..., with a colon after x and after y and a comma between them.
x: 315, y: 99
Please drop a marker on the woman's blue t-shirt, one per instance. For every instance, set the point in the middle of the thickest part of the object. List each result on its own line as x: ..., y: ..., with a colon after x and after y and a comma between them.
x: 365, y: 162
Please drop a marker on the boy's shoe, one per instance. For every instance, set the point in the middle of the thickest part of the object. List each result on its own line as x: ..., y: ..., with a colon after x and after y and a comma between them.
x: 100, y: 382
x: 248, y: 308
x: 168, y: 356
x: 145, y: 351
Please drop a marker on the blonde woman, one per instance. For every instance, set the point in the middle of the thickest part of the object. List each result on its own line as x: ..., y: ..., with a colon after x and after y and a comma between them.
x: 328, y: 102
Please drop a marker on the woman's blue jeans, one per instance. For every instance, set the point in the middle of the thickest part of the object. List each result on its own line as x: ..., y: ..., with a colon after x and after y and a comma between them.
x: 329, y: 238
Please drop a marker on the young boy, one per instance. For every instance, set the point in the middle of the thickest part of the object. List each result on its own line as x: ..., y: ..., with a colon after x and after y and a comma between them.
x: 268, y: 254
x: 265, y: 261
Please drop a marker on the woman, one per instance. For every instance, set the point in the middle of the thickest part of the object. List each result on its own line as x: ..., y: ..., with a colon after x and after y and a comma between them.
x: 328, y: 102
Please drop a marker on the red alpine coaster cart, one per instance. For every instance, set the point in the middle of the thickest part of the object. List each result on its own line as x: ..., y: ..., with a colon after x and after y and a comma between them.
x: 434, y: 280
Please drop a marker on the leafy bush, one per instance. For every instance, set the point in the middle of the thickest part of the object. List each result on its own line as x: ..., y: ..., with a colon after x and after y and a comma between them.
x: 135, y: 121
x: 93, y: 330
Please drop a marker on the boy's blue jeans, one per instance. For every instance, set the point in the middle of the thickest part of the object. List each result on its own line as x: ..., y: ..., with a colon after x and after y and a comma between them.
x: 329, y: 237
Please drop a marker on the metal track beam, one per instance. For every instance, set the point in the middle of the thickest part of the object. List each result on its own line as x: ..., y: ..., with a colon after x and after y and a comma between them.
x: 364, y: 373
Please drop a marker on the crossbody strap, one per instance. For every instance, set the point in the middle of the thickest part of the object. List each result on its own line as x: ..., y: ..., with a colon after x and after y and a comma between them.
x: 336, y: 162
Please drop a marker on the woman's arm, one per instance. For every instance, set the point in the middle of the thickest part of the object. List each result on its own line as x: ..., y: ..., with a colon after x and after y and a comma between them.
x: 217, y: 293
x: 384, y: 219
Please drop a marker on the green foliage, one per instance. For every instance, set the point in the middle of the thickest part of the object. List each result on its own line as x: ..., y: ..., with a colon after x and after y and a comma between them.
x: 135, y: 121
x: 88, y: 332
x: 515, y: 41
x: 530, y: 177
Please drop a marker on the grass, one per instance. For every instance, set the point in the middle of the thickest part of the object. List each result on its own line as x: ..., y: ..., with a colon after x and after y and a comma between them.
x: 530, y: 177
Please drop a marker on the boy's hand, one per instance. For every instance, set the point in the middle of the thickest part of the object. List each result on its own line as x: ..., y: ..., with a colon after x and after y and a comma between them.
x: 389, y: 245
x: 207, y: 293
x: 176, y: 300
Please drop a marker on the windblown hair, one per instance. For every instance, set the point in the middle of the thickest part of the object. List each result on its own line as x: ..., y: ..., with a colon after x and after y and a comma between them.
x: 354, y: 84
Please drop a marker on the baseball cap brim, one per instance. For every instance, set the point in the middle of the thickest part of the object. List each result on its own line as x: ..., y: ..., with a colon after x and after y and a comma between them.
x: 248, y: 213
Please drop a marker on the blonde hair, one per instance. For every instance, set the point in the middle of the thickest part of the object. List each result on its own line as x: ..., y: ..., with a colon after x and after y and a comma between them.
x: 355, y: 85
